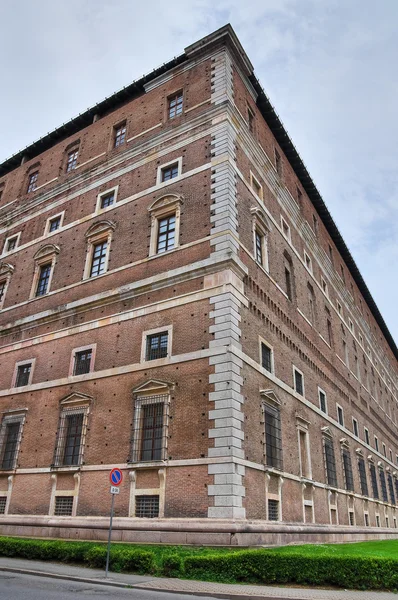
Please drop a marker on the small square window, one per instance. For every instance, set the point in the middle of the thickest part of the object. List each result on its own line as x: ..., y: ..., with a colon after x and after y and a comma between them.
x: 11, y: 244
x: 322, y: 401
x: 175, y: 105
x: 23, y: 374
x: 157, y: 345
x: 119, y: 135
x: 82, y: 362
x: 169, y: 172
x: 72, y: 160
x: 340, y: 415
x: 266, y: 357
x: 147, y: 507
x: 32, y: 182
x: 63, y: 506
x: 107, y: 199
x: 55, y: 224
x: 43, y: 280
x: 298, y: 382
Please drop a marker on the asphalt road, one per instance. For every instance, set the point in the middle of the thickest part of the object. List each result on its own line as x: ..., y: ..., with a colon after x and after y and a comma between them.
x: 14, y: 586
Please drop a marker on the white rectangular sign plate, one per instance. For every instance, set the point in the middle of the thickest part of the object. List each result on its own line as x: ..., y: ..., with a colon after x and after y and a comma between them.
x: 114, y: 489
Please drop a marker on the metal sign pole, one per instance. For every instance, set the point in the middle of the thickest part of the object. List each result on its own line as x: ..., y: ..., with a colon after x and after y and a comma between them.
x: 109, y: 537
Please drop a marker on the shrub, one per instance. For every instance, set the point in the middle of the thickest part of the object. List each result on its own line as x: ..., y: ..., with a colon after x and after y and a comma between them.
x: 172, y: 566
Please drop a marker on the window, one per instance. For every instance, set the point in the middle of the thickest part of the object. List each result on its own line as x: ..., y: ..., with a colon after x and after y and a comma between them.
x: 288, y: 283
x: 10, y: 439
x: 278, y: 163
x: 261, y: 228
x: 166, y: 234
x: 82, y: 362
x: 3, y: 287
x: 373, y: 479
x: 43, y: 280
x: 322, y: 401
x: 345, y: 351
x: 256, y: 186
x: 384, y: 449
x: 339, y: 308
x: 107, y: 198
x: 250, y: 119
x: 285, y: 229
x: 71, y: 434
x: 119, y: 133
x: 330, y: 462
x: 72, y: 160
x: 298, y: 380
x: 6, y: 272
x: 377, y: 520
x: 324, y: 286
x: 315, y: 224
x: 351, y: 325
x: 376, y: 444
x: 347, y: 467
x: 362, y: 477
x: 330, y: 253
x: 99, y: 237
x: 342, y: 273
x: 55, y: 224
x: 299, y: 195
x: 175, y: 105
x: 351, y: 517
x: 273, y: 510
x: 383, y: 485
x: 387, y: 521
x: 157, y: 345
x: 366, y: 518
x: 23, y: 374
x: 3, y: 504
x: 98, y: 259
x: 273, y: 436
x: 32, y: 182
x: 45, y: 260
x: 147, y: 507
x: 340, y: 415
x: 308, y: 262
x: 330, y: 332
x: 391, y: 488
x: 259, y: 239
x: 266, y: 357
x: 11, y: 243
x: 311, y: 304
x: 355, y: 427
x: 63, y: 506
x: 304, y: 448
x: 169, y: 172
x: 165, y: 224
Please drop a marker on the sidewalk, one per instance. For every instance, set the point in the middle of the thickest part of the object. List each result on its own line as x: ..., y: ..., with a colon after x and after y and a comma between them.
x: 181, y: 586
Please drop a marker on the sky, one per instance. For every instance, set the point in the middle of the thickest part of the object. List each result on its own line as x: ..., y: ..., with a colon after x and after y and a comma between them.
x: 329, y: 68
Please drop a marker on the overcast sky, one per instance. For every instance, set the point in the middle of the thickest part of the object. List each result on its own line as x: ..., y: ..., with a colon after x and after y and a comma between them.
x: 328, y: 66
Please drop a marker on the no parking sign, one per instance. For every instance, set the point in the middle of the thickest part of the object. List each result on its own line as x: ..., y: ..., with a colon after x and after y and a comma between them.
x: 116, y: 477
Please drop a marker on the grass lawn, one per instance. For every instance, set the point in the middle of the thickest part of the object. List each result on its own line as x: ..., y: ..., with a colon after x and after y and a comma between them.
x: 382, y: 548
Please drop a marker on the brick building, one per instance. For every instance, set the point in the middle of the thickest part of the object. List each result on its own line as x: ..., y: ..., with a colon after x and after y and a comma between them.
x: 176, y: 300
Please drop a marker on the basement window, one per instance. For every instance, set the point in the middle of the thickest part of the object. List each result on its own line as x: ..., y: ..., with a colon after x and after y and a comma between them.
x: 63, y: 506
x: 147, y: 507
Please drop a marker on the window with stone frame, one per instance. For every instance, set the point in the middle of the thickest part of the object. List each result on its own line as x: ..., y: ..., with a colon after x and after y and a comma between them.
x: 298, y: 381
x: 11, y: 243
x: 32, y: 182
x: 347, y: 469
x: 322, y: 401
x: 383, y: 484
x: 175, y: 104
x: 157, y: 345
x: 373, y: 479
x: 45, y: 261
x: 72, y: 430
x: 6, y: 271
x: 147, y: 506
x: 82, y: 361
x: 330, y: 461
x: 23, y: 373
x: 272, y: 432
x: 71, y: 160
x: 391, y: 487
x: 289, y: 276
x: 267, y: 358
x: 98, y: 242
x: 165, y: 224
x: 10, y: 439
x: 119, y: 134
x: 261, y: 228
x: 362, y: 477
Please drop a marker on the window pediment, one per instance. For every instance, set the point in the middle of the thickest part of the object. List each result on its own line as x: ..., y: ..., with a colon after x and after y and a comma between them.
x: 166, y: 202
x: 76, y: 399
x: 99, y: 228
x: 359, y: 452
x: 344, y: 443
x: 6, y: 269
x: 327, y: 432
x: 261, y: 218
x: 153, y: 386
x: 47, y: 250
x: 270, y: 396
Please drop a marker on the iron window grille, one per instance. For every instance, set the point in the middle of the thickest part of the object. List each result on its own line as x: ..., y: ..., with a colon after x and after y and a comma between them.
x: 98, y: 259
x: 298, y: 382
x: 349, y: 480
x: 266, y: 358
x: 147, y: 507
x: 43, y: 280
x: 2, y: 290
x: 169, y: 172
x: 3, y: 504
x: 63, y: 506
x: 273, y: 510
x: 383, y: 485
x: 55, y: 224
x: 72, y: 161
x: 10, y: 439
x: 259, y: 248
x: 82, y: 362
x: 120, y: 135
x: 32, y: 182
x: 322, y: 401
x: 70, y: 439
x: 156, y: 345
x: 107, y: 199
x: 166, y: 234
x: 391, y: 488
x: 149, y: 438
x: 362, y: 477
x: 273, y: 436
x: 373, y: 479
x: 23, y: 374
x: 11, y: 244
x: 330, y: 461
x: 175, y: 105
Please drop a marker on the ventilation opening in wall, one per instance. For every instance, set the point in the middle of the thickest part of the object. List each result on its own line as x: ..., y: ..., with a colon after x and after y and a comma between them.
x: 273, y: 510
x: 63, y: 506
x: 147, y: 507
x: 3, y: 502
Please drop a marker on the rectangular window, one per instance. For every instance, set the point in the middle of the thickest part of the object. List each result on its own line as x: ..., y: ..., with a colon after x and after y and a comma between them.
x: 298, y: 382
x: 384, y: 449
x: 250, y: 119
x: 63, y: 506
x: 266, y: 357
x: 367, y: 438
x: 3, y: 504
x: 98, y: 259
x: 157, y: 345
x: 377, y: 520
x: 3, y: 285
x: 351, y: 517
x: 73, y: 437
x: 175, y: 105
x: 152, y: 432
x: 355, y: 427
x: 166, y: 234
x: 288, y: 283
x: 285, y: 229
x: 11, y: 243
x: 347, y: 467
x: 273, y: 510
x: 299, y: 194
x: 376, y: 444
x: 82, y: 362
x: 72, y: 160
x: 43, y: 280
x: 169, y: 172
x: 322, y: 401
x: 340, y: 415
x: 259, y: 248
x: 55, y: 224
x: 324, y: 286
x: 308, y: 262
x: 278, y: 162
x: 10, y: 434
x: 373, y: 479
x: 387, y: 521
x: 147, y: 507
x: 362, y: 477
x: 107, y: 199
x: 256, y: 186
x: 366, y: 518
x: 315, y: 224
x: 273, y: 436
x: 383, y: 485
x: 391, y: 488
x: 339, y: 308
x: 23, y: 375
x: 119, y: 135
x: 330, y: 461
x: 32, y: 182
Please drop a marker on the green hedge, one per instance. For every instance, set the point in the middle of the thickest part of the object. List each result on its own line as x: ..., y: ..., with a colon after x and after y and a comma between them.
x: 265, y: 566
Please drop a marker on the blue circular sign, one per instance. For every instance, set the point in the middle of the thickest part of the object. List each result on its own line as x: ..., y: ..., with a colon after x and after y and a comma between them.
x: 116, y: 476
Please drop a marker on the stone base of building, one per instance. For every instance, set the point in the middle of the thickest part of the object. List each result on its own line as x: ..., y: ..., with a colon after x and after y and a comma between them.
x: 188, y: 531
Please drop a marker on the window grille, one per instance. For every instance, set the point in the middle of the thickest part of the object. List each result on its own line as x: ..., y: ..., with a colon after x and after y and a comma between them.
x: 349, y: 480
x: 166, y: 234
x: 391, y: 488
x: 43, y: 280
x: 32, y: 181
x: 266, y: 358
x: 55, y: 224
x: 2, y: 290
x: 63, y: 506
x: 147, y: 507
x: 273, y: 436
x: 169, y: 172
x: 351, y: 517
x: 11, y: 244
x: 298, y: 382
x: 175, y: 105
x: 3, y: 504
x: 156, y: 345
x: 273, y: 510
x: 149, y: 428
x: 383, y: 485
x: 373, y: 478
x: 71, y: 434
x: 107, y: 199
x: 362, y: 477
x: 259, y: 248
x: 10, y: 439
x: 322, y: 401
x: 120, y: 135
x: 82, y: 362
x: 23, y: 374
x: 98, y: 259
x: 330, y: 460
x: 72, y: 160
